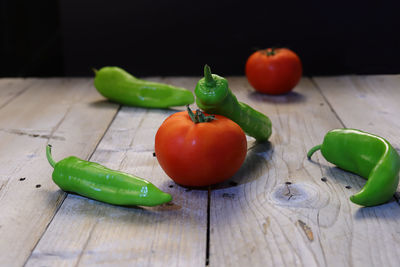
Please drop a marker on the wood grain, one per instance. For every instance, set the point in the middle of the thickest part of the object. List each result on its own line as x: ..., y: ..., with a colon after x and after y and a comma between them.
x: 10, y: 88
x: 90, y: 233
x: 281, y: 209
x: 67, y: 113
x: 369, y: 103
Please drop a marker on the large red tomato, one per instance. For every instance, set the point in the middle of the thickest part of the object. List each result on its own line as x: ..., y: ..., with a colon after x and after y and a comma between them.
x: 274, y: 71
x: 200, y: 154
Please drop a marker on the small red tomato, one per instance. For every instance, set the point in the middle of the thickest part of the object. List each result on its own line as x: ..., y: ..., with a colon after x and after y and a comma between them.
x: 200, y: 154
x: 274, y: 71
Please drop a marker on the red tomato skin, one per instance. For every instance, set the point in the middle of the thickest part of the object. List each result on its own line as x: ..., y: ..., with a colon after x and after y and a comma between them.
x: 200, y: 154
x: 274, y: 74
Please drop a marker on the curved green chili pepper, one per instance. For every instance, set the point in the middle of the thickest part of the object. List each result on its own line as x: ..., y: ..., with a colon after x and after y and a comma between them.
x: 118, y: 85
x: 95, y: 181
x: 215, y: 97
x: 367, y: 155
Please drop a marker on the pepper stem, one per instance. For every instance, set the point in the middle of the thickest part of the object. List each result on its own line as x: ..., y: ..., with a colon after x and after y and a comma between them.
x: 48, y: 155
x: 208, y: 76
x: 94, y: 70
x: 312, y: 150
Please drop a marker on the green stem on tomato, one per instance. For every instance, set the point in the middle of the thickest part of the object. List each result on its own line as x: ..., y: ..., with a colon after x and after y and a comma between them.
x: 191, y: 114
x: 270, y: 52
x: 199, y: 116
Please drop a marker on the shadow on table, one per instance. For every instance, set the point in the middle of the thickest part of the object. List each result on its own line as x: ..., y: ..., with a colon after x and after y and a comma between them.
x: 291, y: 97
x: 389, y: 211
x: 104, y: 103
x: 81, y: 208
x: 257, y: 159
x: 350, y: 181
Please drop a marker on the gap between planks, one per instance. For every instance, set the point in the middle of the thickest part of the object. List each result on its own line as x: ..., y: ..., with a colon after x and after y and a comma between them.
x: 327, y: 101
x: 64, y: 196
x: 39, y: 246
x: 317, y: 86
x: 14, y: 96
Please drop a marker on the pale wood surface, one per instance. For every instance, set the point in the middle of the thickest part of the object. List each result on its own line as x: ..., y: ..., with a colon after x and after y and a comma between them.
x: 64, y: 112
x: 276, y: 211
x: 370, y: 103
x: 308, y: 222
x: 86, y: 232
x: 11, y: 88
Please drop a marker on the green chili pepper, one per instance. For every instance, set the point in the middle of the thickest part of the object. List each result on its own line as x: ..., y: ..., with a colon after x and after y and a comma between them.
x: 95, y: 181
x: 215, y: 97
x: 119, y: 86
x: 367, y: 155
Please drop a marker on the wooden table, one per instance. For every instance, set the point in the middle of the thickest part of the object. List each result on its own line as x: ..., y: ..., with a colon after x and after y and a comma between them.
x: 276, y: 211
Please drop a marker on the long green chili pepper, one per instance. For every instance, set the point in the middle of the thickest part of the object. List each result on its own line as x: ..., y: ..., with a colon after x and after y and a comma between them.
x: 95, y: 181
x: 119, y: 86
x: 367, y: 155
x: 215, y: 97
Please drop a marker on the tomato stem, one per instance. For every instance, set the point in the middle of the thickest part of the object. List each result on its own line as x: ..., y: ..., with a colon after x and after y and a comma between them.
x: 199, y: 116
x: 191, y: 115
x: 270, y: 51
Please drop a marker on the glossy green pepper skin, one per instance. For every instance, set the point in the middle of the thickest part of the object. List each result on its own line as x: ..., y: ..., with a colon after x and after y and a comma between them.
x: 367, y: 155
x: 215, y: 97
x: 119, y: 86
x: 95, y: 181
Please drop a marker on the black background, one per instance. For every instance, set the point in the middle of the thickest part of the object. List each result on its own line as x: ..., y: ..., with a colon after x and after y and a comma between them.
x: 176, y: 37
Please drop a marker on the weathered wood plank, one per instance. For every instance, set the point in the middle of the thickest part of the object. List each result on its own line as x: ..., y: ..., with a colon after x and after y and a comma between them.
x: 281, y: 212
x: 369, y: 103
x: 275, y: 211
x: 89, y: 233
x: 10, y: 88
x: 67, y: 113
